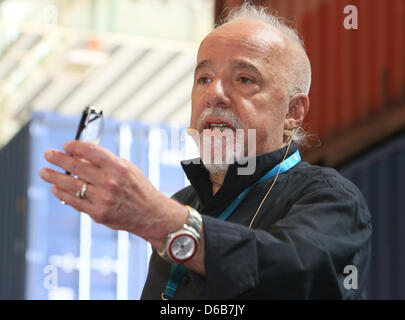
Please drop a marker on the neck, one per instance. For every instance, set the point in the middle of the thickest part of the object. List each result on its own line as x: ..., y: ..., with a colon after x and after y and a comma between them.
x: 217, y: 180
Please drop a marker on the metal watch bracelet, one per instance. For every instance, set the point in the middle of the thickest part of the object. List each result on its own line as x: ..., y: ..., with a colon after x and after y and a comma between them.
x: 192, y: 227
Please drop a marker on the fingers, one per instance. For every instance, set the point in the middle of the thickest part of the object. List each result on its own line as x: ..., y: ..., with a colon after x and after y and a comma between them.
x: 67, y: 183
x: 90, y: 151
x: 79, y: 167
x: 82, y: 205
x: 96, y: 202
x: 100, y: 206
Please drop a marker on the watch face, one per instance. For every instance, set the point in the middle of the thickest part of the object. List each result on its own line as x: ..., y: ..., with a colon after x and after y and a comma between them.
x: 183, y: 247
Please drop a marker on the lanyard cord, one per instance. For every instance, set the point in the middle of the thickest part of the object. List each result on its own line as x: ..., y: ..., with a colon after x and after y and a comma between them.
x: 177, y: 271
x: 271, y: 187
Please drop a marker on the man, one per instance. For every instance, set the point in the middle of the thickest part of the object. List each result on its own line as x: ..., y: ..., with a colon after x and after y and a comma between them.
x: 287, y: 231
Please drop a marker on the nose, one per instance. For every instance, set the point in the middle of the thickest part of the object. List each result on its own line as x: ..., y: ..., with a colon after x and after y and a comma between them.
x: 216, y: 95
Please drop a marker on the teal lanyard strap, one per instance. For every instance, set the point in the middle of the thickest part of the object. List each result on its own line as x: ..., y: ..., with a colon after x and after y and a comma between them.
x: 288, y: 163
x: 177, y: 271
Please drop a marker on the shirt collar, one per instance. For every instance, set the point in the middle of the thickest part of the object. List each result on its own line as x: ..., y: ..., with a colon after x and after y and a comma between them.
x: 233, y: 184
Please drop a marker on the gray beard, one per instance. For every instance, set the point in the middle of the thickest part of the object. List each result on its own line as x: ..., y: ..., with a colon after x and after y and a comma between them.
x: 234, y: 120
x: 216, y: 168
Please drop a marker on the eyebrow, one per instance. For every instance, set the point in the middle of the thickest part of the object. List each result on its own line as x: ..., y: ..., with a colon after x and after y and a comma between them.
x: 246, y: 65
x: 240, y: 64
x: 202, y: 64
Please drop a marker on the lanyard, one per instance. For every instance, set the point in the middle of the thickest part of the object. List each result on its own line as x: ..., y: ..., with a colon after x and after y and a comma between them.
x: 177, y: 271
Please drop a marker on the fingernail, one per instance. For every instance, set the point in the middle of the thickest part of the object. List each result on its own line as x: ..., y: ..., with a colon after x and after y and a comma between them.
x: 66, y: 145
x: 48, y: 154
x: 43, y: 173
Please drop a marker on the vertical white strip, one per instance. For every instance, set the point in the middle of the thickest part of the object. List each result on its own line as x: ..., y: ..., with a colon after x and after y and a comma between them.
x: 122, y: 271
x: 154, y: 157
x: 148, y: 254
x: 155, y: 144
x: 85, y: 256
x: 125, y: 145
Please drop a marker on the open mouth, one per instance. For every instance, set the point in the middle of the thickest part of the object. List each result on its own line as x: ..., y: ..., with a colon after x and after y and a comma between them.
x: 218, y: 124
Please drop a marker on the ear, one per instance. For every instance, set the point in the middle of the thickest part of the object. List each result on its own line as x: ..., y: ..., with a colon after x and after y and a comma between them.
x: 297, y: 110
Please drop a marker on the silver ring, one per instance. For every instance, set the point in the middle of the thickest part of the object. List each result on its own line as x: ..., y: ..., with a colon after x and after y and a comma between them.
x: 81, y: 193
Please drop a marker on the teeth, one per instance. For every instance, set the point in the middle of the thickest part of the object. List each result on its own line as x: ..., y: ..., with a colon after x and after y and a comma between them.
x: 220, y: 126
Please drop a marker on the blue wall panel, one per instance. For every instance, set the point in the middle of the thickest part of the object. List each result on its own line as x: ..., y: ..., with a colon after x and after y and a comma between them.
x: 380, y: 175
x: 46, y: 234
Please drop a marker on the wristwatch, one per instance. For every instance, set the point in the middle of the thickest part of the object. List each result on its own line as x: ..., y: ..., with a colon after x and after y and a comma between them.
x: 182, y: 244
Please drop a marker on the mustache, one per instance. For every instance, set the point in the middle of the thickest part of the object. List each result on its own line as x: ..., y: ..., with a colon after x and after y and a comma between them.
x: 225, y: 114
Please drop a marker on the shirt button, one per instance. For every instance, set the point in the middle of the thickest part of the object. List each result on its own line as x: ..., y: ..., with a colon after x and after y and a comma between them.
x: 185, y: 280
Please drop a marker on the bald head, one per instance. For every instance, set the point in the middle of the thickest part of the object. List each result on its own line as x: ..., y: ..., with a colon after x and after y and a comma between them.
x: 297, y: 64
x: 256, y: 39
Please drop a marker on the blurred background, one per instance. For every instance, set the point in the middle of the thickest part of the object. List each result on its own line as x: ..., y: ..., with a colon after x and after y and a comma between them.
x: 134, y: 59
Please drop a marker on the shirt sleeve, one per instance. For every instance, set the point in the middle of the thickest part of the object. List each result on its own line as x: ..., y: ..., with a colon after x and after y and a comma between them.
x: 302, y: 256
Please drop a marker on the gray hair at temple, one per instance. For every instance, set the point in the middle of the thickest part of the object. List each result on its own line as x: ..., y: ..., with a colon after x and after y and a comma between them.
x: 299, y: 69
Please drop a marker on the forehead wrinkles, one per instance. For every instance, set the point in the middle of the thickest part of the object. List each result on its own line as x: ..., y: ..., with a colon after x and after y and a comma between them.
x: 262, y: 43
x: 258, y: 44
x: 259, y: 41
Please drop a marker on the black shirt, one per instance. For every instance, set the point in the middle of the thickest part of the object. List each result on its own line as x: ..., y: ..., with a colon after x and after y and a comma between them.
x: 312, y: 225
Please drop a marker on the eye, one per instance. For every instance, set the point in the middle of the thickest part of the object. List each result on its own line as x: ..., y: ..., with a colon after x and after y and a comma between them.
x: 245, y: 80
x: 203, y: 80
